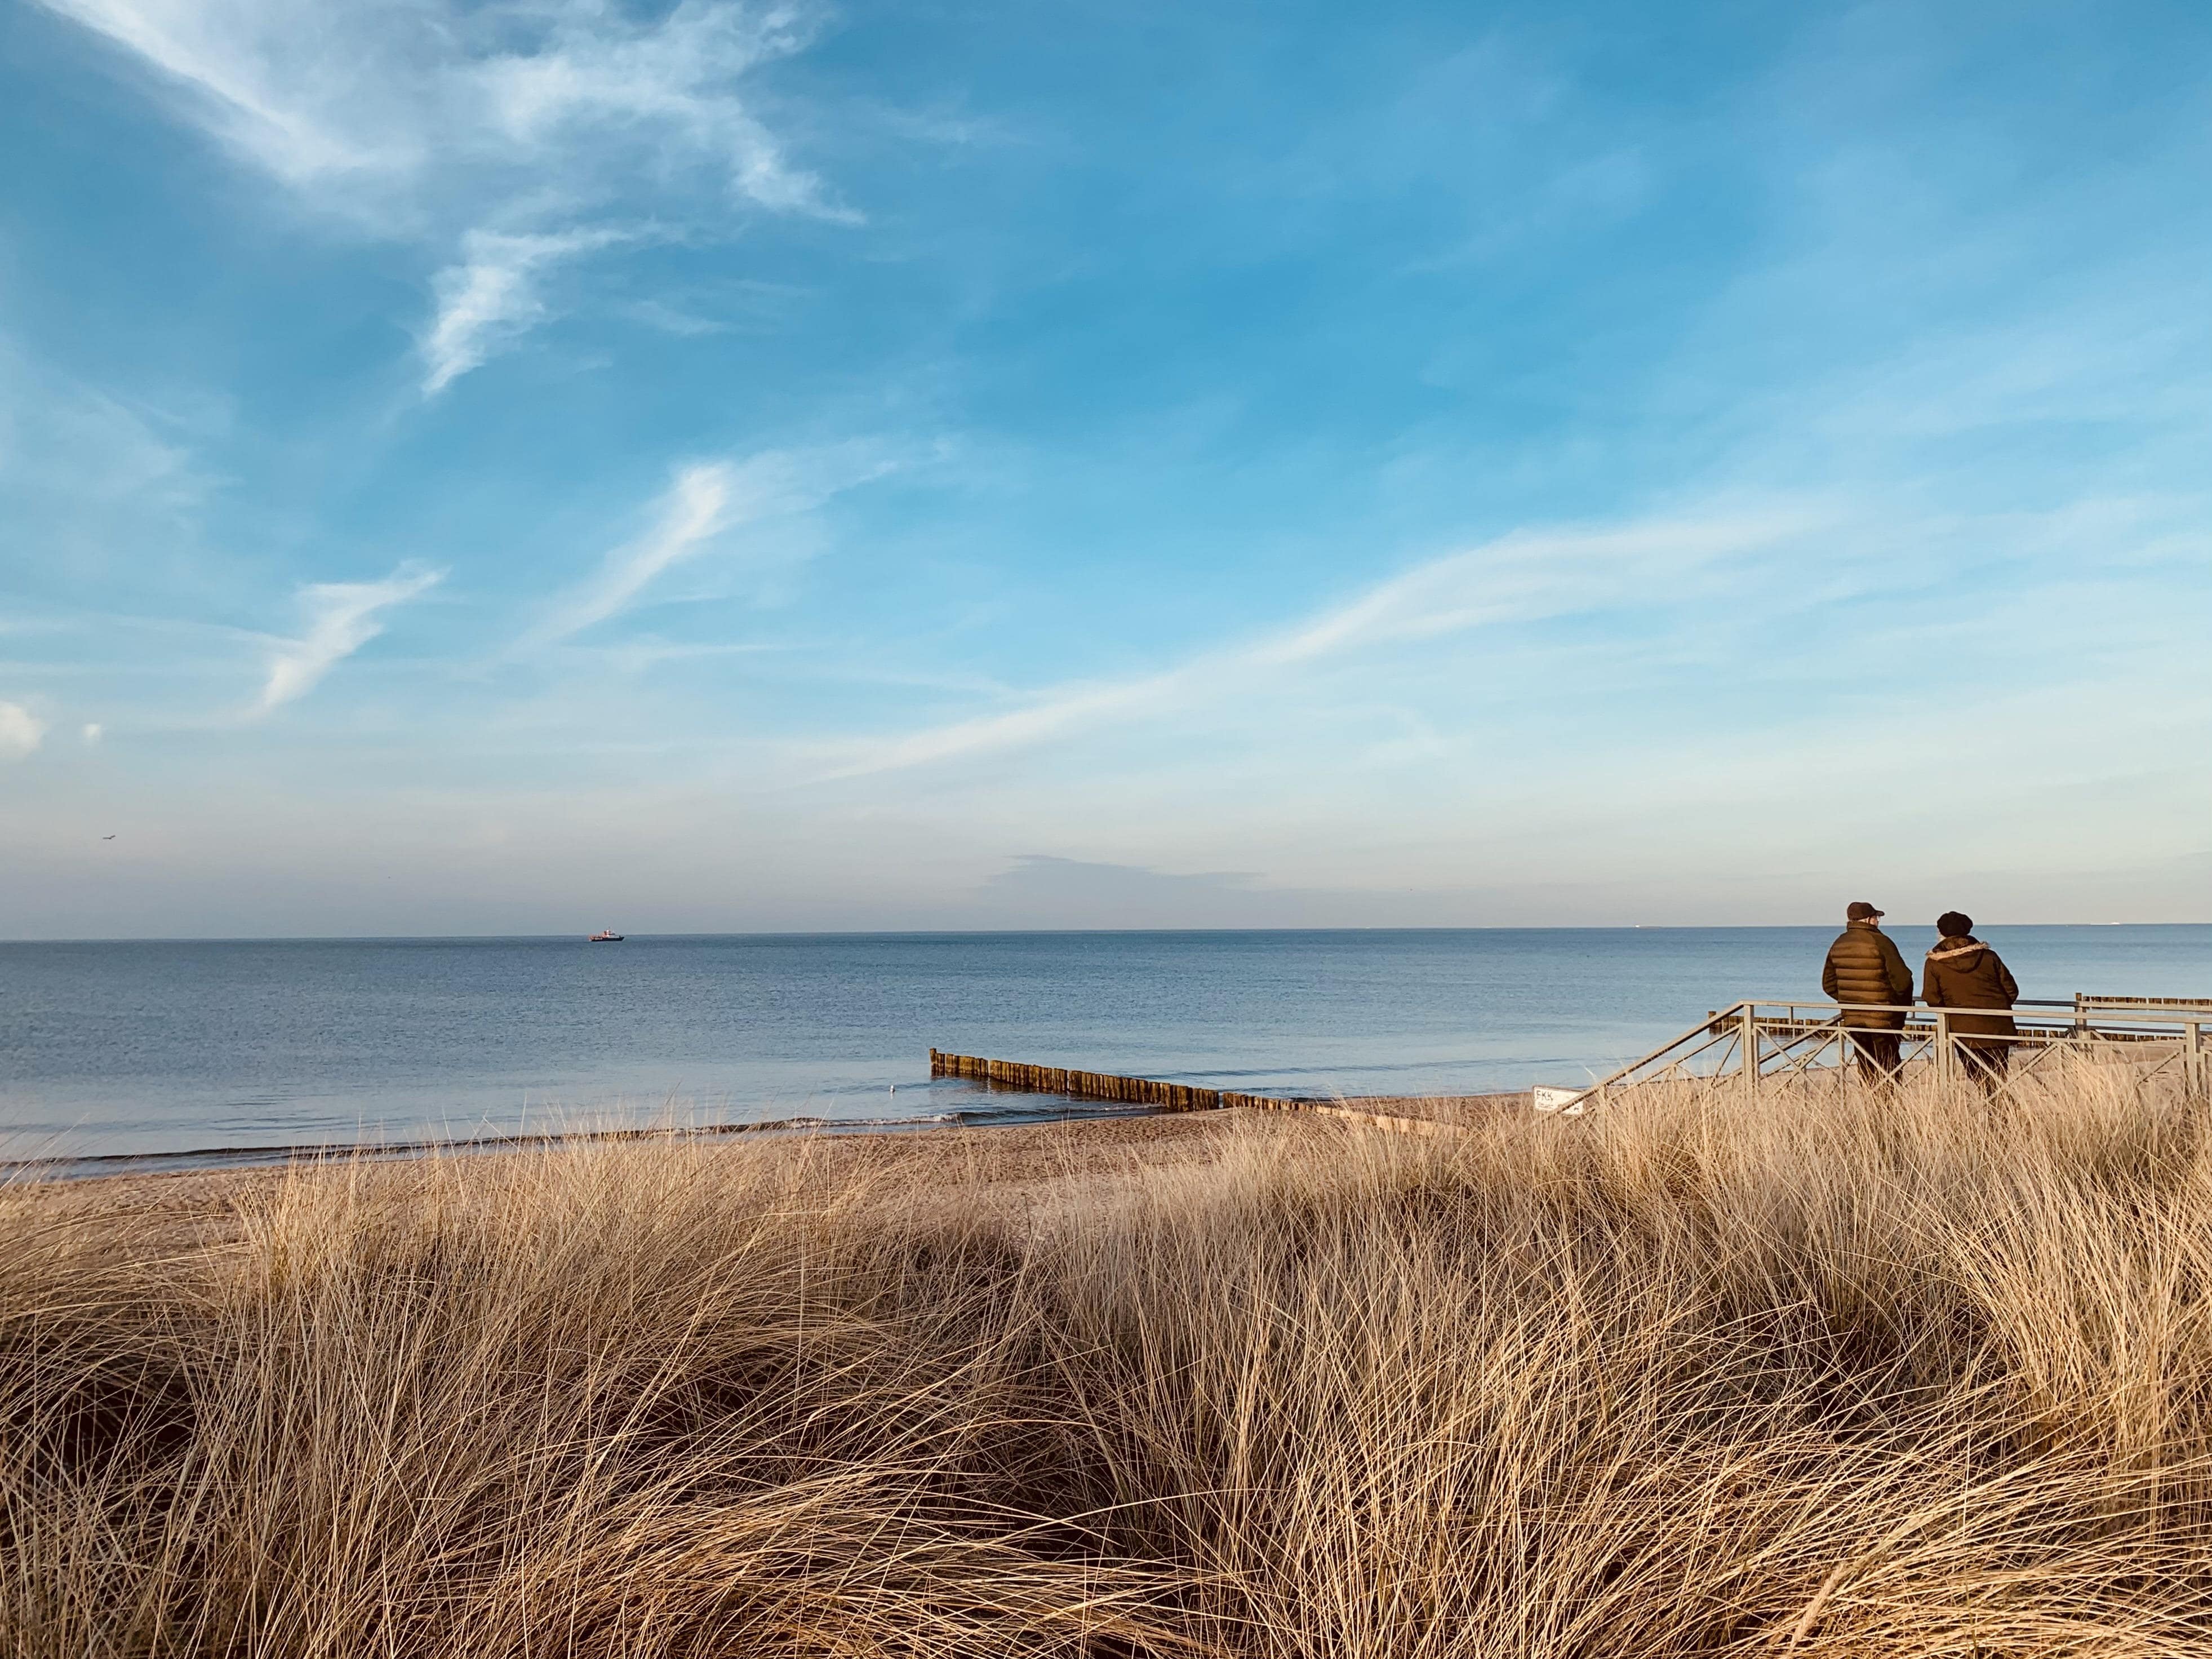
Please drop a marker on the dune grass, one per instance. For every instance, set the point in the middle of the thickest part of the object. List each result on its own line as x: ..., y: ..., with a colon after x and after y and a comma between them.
x: 1822, y: 1378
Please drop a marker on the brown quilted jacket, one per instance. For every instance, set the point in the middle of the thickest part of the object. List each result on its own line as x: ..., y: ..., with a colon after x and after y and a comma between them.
x: 1965, y: 973
x: 1864, y: 965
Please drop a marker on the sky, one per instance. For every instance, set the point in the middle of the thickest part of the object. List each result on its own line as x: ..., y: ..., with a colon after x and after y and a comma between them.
x: 524, y: 468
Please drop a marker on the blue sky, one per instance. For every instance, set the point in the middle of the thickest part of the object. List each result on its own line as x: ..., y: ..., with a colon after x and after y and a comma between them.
x: 517, y: 468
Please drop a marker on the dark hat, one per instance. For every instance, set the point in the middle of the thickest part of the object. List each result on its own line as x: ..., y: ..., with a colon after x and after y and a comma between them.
x: 1954, y: 924
x: 1860, y: 910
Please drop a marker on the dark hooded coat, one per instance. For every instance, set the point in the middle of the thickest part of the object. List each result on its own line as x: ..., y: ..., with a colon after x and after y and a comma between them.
x: 1965, y: 973
x: 1864, y: 965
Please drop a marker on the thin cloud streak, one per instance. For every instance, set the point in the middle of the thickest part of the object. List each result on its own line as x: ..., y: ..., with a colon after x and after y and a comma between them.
x: 704, y: 501
x: 1521, y: 577
x: 269, y: 91
x: 342, y: 618
x: 698, y: 507
x: 492, y: 297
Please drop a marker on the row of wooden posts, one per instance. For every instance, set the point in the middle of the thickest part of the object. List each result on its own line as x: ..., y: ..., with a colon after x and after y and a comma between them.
x: 1150, y: 1092
x: 1091, y: 1085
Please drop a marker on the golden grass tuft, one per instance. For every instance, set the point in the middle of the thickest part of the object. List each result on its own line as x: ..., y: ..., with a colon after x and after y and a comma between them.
x: 1824, y: 1376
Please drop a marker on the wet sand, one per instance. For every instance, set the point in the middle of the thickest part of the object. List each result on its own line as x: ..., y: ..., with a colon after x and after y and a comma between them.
x: 202, y: 1206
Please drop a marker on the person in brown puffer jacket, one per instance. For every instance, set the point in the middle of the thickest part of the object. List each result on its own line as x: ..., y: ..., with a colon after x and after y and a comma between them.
x: 1962, y: 972
x: 1864, y: 965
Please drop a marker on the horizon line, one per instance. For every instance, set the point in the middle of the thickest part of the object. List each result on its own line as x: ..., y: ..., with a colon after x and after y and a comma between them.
x: 1031, y: 933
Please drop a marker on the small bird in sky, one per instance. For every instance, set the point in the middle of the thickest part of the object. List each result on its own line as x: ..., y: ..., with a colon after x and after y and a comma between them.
x: 107, y: 838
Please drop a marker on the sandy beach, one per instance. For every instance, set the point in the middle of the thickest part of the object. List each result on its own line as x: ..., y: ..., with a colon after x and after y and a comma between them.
x: 1025, y: 1157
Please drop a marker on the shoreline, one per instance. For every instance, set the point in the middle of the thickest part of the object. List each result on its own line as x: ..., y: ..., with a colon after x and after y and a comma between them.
x: 200, y: 1207
x: 217, y: 1160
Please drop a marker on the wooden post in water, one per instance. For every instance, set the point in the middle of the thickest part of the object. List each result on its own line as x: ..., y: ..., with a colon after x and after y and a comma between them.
x: 1078, y: 1085
x: 1167, y: 1096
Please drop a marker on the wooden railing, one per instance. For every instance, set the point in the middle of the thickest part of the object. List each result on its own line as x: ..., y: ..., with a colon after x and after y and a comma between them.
x: 1762, y: 1038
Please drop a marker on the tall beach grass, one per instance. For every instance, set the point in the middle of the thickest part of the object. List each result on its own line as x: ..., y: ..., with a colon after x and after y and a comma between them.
x: 1823, y: 1376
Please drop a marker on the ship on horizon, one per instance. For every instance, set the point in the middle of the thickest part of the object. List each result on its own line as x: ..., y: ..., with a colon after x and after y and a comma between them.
x: 604, y: 935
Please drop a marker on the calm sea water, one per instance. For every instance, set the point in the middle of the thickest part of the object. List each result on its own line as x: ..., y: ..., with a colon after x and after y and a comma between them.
x: 175, y: 1047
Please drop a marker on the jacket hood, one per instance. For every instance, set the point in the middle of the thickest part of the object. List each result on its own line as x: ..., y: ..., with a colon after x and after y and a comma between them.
x: 1950, y: 950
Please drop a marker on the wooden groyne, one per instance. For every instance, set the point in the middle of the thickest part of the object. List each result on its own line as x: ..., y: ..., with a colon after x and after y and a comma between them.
x: 1161, y: 1096
x: 1092, y: 1086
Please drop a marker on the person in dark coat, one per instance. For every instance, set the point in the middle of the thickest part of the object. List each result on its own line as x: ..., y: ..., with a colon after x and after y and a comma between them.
x: 1962, y: 972
x: 1864, y: 965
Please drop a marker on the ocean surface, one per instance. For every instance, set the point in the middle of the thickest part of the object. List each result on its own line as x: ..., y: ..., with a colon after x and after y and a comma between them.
x: 174, y: 1047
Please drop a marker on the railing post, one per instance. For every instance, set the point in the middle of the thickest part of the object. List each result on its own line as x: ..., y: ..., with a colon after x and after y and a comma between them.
x: 1947, y: 1062
x: 2199, y: 1075
x: 1750, y: 1053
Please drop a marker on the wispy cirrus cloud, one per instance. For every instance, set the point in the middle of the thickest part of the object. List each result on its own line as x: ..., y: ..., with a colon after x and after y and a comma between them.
x: 20, y: 732
x: 594, y: 74
x: 84, y: 463
x: 706, y: 501
x: 340, y: 618
x: 500, y: 136
x: 389, y: 112
x: 1517, y: 578
x: 492, y: 297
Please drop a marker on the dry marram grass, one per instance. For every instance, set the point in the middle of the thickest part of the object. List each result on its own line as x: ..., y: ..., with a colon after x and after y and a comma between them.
x: 1827, y: 1376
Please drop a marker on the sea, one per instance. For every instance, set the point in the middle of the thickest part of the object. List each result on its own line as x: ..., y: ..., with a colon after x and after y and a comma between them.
x: 168, y: 1053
